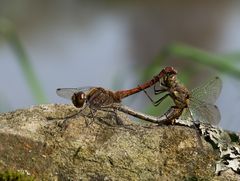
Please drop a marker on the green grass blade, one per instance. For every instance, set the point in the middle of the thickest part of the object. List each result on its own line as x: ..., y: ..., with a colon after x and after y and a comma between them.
x: 219, y: 63
x: 8, y: 31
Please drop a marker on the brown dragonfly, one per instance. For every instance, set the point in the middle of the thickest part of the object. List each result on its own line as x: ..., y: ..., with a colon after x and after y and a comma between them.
x: 98, y: 98
x: 198, y: 104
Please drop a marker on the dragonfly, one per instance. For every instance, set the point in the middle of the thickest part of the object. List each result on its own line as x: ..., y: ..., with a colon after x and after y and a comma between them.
x: 98, y: 98
x: 198, y: 104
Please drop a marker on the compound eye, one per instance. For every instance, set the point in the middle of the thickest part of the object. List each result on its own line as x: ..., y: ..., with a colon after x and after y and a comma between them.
x: 79, y: 99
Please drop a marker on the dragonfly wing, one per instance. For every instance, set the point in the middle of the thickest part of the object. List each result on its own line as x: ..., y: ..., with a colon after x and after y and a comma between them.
x: 185, y: 114
x: 68, y: 92
x: 208, y: 92
x: 204, y: 112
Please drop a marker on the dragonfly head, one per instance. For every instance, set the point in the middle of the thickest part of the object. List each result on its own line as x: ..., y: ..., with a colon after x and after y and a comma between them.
x: 79, y: 99
x: 170, y: 80
x: 170, y: 70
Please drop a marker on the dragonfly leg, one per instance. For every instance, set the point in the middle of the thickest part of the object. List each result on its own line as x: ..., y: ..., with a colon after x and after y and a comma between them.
x: 156, y: 103
x: 92, y: 115
x: 119, y: 121
x: 66, y: 120
x: 162, y: 89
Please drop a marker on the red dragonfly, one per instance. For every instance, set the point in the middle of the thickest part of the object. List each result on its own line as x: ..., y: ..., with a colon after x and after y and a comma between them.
x: 98, y: 98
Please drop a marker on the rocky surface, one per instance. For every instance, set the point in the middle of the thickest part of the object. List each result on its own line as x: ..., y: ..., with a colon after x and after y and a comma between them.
x: 37, y: 142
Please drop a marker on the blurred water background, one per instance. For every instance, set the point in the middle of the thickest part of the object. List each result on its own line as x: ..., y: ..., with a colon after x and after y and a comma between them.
x: 117, y: 45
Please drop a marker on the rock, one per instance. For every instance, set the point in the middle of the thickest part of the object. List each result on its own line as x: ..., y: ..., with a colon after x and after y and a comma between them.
x: 37, y: 142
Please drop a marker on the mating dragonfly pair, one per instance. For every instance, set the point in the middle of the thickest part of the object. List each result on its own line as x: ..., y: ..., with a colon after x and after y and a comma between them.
x: 198, y: 104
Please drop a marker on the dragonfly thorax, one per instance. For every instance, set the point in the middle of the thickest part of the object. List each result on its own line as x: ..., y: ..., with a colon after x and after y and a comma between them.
x: 79, y: 99
x: 180, y: 96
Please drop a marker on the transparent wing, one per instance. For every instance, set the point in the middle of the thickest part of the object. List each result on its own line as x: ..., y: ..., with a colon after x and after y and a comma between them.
x: 208, y: 92
x: 204, y: 112
x: 185, y: 114
x: 68, y: 92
